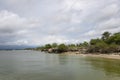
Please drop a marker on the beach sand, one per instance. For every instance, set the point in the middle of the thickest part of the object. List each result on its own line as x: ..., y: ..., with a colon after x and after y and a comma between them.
x: 111, y: 56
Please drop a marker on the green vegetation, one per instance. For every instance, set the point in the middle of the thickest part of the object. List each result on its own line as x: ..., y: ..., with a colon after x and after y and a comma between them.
x: 62, y: 48
x: 108, y: 43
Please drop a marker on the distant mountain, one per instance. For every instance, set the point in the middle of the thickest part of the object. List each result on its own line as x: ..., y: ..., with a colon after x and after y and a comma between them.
x: 14, y: 47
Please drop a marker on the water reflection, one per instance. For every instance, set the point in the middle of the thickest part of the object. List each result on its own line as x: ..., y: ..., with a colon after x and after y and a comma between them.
x: 109, y: 66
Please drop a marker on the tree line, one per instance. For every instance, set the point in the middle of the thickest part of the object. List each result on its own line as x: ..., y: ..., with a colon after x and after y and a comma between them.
x: 108, y: 43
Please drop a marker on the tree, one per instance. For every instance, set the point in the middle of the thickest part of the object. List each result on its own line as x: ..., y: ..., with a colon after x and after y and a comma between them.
x: 107, y: 44
x: 113, y: 48
x: 48, y: 46
x: 62, y: 48
x: 106, y: 35
x: 95, y: 41
x: 85, y: 44
x: 114, y: 39
x: 99, y: 46
x: 54, y: 45
x: 72, y: 45
x: 117, y: 36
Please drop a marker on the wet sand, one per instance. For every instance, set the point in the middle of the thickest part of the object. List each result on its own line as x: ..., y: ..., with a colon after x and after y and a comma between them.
x: 111, y: 56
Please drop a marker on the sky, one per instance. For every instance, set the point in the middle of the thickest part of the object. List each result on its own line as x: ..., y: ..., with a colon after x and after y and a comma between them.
x: 38, y: 22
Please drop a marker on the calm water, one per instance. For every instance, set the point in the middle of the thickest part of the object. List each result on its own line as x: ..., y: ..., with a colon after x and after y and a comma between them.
x: 33, y: 65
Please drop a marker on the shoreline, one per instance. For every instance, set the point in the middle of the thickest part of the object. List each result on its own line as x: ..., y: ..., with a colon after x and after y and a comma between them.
x: 109, y: 56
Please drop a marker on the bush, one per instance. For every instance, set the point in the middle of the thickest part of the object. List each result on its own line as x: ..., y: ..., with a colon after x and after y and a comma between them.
x: 62, y: 48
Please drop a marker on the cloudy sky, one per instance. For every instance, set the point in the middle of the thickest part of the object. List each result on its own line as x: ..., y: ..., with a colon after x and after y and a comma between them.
x: 37, y: 22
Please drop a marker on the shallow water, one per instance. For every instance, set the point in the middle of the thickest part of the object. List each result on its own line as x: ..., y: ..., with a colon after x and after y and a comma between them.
x: 34, y: 65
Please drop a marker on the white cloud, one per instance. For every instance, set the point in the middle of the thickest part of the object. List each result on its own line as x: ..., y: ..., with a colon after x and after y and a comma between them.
x: 35, y: 22
x: 110, y: 10
x: 16, y: 26
x: 109, y: 24
x: 11, y: 20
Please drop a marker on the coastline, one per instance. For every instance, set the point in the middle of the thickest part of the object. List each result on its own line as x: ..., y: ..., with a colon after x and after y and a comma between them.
x: 110, y: 56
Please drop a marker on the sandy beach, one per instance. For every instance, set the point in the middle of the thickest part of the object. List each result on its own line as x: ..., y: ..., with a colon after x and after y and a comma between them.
x: 111, y: 56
